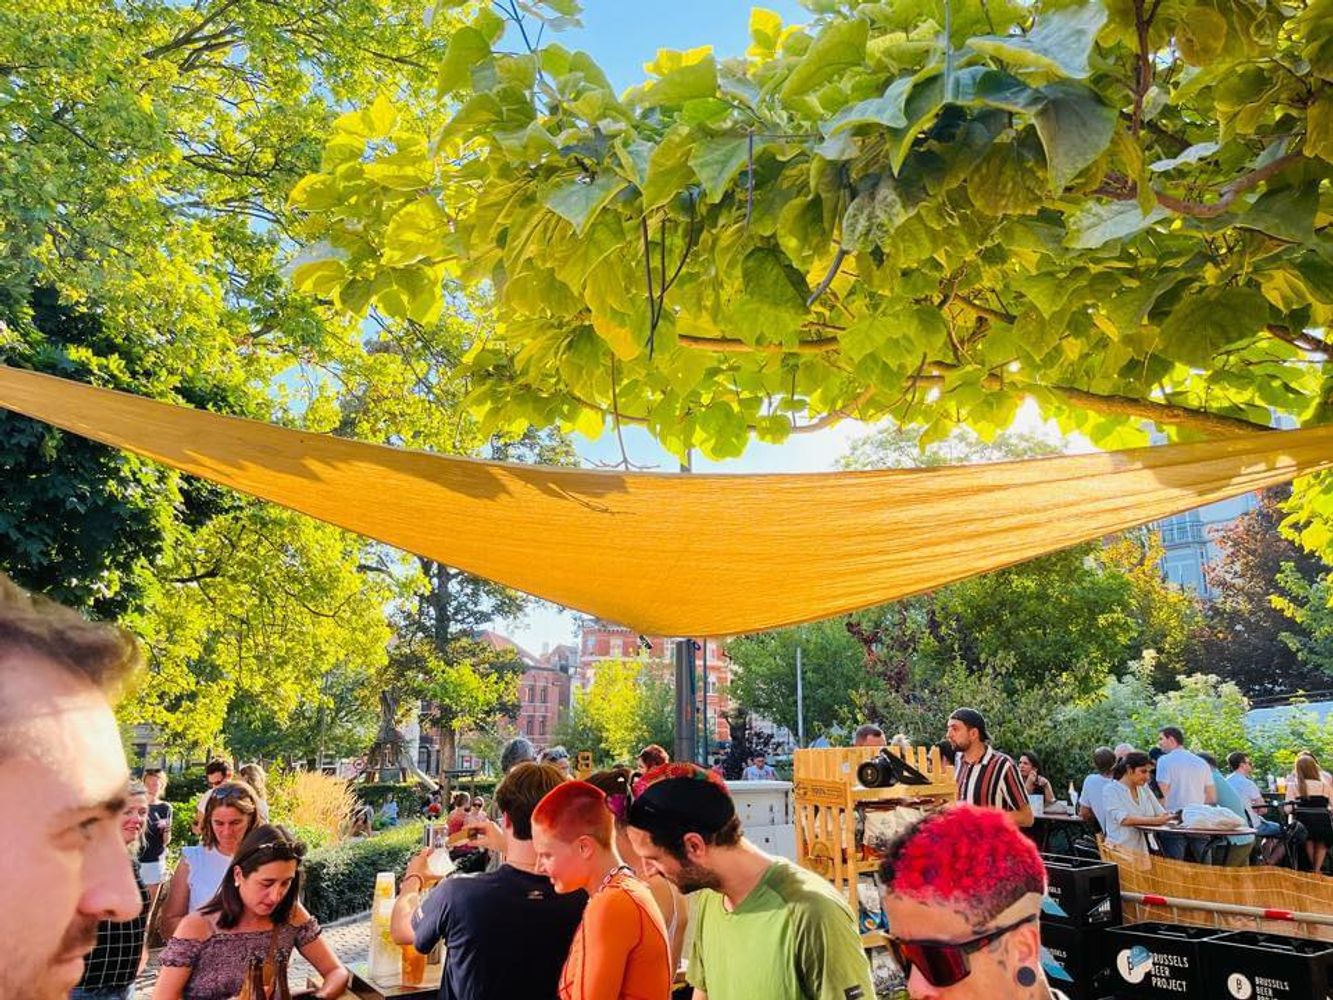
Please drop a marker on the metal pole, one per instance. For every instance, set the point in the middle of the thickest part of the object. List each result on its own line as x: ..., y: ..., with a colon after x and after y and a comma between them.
x: 704, y: 758
x: 800, y: 703
x: 686, y: 715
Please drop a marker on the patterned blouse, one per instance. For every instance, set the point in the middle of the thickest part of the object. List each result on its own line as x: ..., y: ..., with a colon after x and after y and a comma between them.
x: 220, y: 962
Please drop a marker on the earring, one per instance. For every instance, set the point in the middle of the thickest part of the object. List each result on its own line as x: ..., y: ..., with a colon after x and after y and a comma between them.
x: 1026, y: 976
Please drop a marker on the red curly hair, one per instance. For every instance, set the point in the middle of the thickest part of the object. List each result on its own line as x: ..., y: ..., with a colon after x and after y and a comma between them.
x: 576, y: 809
x: 972, y: 860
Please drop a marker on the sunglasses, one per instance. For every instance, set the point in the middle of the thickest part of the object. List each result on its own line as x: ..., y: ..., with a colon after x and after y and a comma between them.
x: 944, y: 963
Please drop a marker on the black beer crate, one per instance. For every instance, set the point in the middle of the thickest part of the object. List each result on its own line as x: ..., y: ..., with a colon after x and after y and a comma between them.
x: 1080, y: 952
x: 1247, y: 965
x: 1154, y: 961
x: 1080, y: 892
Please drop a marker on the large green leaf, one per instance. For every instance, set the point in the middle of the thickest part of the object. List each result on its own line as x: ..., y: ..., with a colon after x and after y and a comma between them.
x: 1319, y: 126
x: 669, y: 170
x: 1100, y: 222
x: 1203, y: 324
x: 467, y: 48
x: 1287, y: 213
x: 689, y: 82
x: 1075, y: 128
x: 580, y: 200
x: 995, y: 88
x: 886, y: 110
x: 416, y: 232
x: 716, y: 162
x: 840, y: 47
x: 873, y: 215
x: 1060, y: 43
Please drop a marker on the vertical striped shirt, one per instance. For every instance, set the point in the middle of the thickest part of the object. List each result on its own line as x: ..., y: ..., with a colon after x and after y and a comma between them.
x: 992, y: 781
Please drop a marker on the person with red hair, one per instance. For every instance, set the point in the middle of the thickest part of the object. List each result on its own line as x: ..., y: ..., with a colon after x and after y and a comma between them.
x: 962, y: 891
x: 620, y: 950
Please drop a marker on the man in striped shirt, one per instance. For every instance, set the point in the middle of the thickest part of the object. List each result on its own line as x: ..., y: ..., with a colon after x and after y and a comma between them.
x: 985, y: 776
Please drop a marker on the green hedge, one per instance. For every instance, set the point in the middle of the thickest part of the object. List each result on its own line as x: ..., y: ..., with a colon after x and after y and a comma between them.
x: 340, y: 879
x: 186, y: 786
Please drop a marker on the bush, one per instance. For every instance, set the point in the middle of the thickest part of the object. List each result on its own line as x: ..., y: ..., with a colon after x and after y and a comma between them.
x: 340, y: 878
x: 187, y: 786
x: 311, y: 800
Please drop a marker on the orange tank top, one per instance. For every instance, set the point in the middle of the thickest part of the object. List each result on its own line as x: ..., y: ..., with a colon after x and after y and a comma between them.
x: 620, y: 950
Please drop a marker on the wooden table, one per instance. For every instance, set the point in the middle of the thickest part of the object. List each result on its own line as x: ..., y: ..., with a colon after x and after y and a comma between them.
x: 365, y: 988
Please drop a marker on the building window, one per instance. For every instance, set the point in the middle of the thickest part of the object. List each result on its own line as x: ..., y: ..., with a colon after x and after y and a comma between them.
x: 541, y: 726
x: 589, y: 643
x: 617, y: 648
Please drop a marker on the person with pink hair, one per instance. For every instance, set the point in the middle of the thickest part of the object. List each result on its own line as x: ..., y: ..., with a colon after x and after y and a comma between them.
x: 962, y: 891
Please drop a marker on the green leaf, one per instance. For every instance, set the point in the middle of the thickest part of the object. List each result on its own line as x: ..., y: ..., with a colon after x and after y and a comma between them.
x: 923, y: 105
x: 1288, y: 213
x: 1060, y: 43
x: 765, y: 30
x: 1008, y: 180
x: 840, y: 47
x: 773, y: 304
x: 873, y: 215
x: 690, y: 82
x: 1201, y: 35
x: 416, y: 232
x: 1100, y: 222
x: 1075, y: 128
x: 373, y: 122
x: 1203, y: 324
x: 409, y: 169
x: 580, y: 200
x: 669, y: 170
x: 994, y: 88
x: 1319, y: 126
x: 716, y: 162
x: 1199, y: 151
x: 467, y: 47
x: 886, y: 110
x: 320, y: 278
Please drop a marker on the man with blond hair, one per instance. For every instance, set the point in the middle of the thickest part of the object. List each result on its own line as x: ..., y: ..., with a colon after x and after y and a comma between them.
x: 64, y: 867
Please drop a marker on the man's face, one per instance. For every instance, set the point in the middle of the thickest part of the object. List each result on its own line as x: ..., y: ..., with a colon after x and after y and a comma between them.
x: 66, y: 861
x: 153, y: 783
x: 215, y: 778
x: 689, y: 875
x: 960, y: 735
x: 994, y: 966
x: 1246, y: 768
x: 1165, y: 743
x: 760, y: 761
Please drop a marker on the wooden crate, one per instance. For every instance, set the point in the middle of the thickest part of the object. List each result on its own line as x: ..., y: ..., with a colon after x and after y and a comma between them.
x: 826, y: 796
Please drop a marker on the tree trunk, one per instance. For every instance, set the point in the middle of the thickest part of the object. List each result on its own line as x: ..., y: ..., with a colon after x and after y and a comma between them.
x: 448, y: 755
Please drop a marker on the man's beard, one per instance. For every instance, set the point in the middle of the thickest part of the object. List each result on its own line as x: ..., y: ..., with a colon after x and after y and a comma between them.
x: 692, y: 878
x: 20, y: 980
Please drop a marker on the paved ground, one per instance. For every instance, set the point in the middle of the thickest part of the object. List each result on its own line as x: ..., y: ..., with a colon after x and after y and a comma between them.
x: 349, y: 938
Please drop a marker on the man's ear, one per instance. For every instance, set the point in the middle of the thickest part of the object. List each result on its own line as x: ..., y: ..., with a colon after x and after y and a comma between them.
x: 1025, y: 947
x: 695, y: 847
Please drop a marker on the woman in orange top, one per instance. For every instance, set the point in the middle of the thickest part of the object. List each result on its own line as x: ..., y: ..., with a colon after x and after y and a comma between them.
x: 620, y: 950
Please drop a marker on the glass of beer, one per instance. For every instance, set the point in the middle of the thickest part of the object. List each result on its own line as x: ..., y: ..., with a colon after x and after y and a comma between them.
x: 414, y: 966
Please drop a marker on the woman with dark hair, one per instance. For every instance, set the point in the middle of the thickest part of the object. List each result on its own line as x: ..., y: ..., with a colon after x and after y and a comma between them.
x: 1034, y: 782
x: 653, y: 755
x: 255, y: 915
x: 617, y: 784
x: 1130, y: 806
x: 231, y: 812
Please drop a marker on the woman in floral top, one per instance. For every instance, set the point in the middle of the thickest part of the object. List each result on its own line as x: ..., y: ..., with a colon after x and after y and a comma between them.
x: 255, y: 909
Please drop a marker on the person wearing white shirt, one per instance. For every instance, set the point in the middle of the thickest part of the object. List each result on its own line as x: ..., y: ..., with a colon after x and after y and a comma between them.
x: 1131, y: 808
x: 1090, y: 806
x: 1185, y: 780
x: 1243, y: 785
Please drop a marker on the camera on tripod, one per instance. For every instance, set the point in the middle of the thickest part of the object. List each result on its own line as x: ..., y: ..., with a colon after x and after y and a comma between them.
x: 888, y: 769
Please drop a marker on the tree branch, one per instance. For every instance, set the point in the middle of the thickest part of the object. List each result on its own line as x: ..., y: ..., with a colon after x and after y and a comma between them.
x: 1126, y: 190
x: 731, y: 345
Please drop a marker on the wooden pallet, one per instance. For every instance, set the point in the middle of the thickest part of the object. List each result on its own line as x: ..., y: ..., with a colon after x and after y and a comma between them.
x: 827, y: 796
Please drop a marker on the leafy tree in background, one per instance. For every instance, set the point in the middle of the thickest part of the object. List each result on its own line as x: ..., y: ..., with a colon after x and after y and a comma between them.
x: 1241, y: 636
x: 1117, y: 210
x: 624, y: 708
x: 339, y: 722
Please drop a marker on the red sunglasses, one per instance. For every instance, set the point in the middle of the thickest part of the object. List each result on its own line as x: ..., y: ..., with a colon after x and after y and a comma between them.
x: 944, y: 963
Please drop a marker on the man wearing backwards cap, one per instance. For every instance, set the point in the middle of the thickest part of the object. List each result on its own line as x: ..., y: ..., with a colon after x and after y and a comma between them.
x: 962, y: 891
x: 985, y: 776
x: 762, y: 926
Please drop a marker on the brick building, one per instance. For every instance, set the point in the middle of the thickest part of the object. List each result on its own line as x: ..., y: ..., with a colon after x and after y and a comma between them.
x: 601, y: 641
x: 544, y: 688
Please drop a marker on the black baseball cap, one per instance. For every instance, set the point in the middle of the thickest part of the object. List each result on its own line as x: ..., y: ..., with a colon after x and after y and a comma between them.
x: 973, y: 719
x: 683, y: 799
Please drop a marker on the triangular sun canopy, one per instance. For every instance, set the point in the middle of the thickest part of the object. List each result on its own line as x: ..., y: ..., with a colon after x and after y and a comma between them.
x: 684, y: 554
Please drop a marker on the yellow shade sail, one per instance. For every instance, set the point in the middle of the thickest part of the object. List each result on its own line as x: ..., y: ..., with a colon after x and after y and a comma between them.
x: 684, y: 554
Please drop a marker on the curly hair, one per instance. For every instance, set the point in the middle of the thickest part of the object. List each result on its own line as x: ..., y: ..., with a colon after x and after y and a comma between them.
x: 972, y: 860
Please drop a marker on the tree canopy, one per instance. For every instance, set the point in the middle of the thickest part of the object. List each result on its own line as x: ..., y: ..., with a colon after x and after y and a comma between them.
x: 921, y: 210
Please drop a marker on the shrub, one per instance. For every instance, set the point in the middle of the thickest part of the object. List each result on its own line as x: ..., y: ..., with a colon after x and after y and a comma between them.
x: 340, y: 878
x: 187, y: 786
x: 311, y: 800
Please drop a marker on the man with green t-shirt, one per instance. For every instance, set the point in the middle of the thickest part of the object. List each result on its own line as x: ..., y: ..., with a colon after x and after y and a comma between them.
x: 762, y: 927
